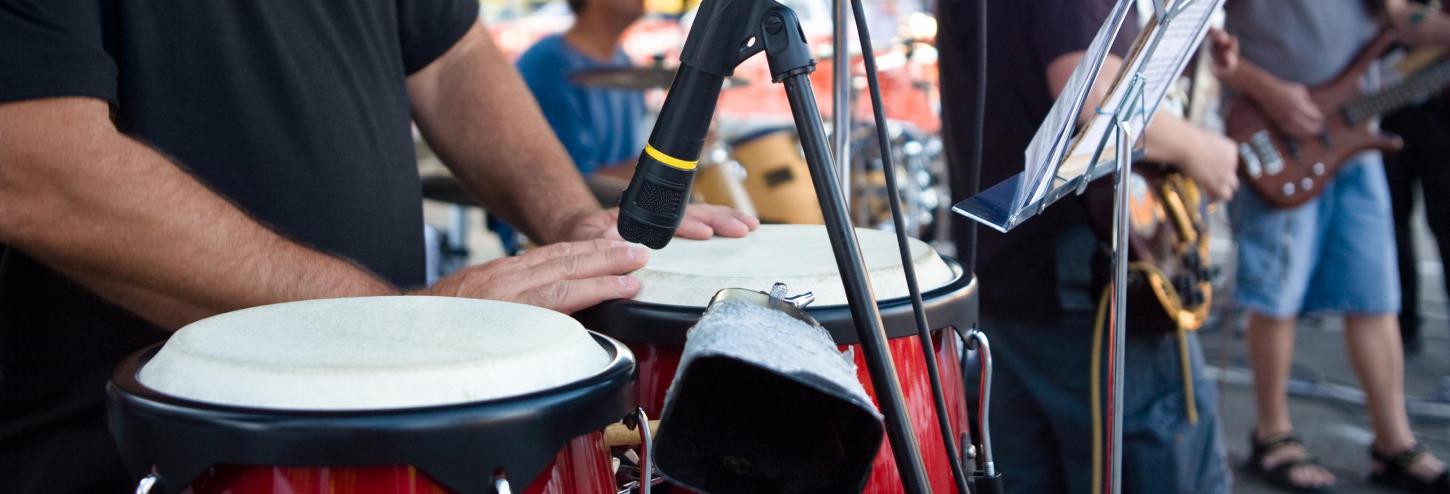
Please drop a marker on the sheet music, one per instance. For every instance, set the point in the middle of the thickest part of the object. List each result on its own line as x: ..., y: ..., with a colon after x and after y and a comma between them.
x: 1049, y: 144
x: 1056, y: 158
x: 1171, y: 44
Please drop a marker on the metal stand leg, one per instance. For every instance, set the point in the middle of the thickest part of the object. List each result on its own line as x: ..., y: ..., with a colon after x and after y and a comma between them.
x: 841, y: 93
x: 1124, y: 144
x: 862, y: 302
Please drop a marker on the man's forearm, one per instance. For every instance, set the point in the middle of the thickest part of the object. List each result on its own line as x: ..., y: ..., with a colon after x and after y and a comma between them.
x: 480, y: 118
x: 124, y: 221
x: 1169, y: 139
x: 1252, y: 81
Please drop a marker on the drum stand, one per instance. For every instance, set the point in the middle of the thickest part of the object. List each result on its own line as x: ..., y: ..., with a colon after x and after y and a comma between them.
x: 727, y: 33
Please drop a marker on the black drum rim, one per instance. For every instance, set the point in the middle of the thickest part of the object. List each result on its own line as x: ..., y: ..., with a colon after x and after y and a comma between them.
x: 531, y: 427
x: 954, y: 304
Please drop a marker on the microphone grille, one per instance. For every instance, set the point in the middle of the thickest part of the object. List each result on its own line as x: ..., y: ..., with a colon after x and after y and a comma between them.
x: 654, y: 237
x: 659, y: 199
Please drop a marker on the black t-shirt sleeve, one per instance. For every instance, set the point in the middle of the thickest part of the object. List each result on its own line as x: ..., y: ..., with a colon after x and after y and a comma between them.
x: 427, y: 28
x: 54, y: 48
x: 1065, y: 26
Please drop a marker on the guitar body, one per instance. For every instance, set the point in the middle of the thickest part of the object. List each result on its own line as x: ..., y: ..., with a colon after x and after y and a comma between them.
x: 1170, y: 279
x: 1288, y: 172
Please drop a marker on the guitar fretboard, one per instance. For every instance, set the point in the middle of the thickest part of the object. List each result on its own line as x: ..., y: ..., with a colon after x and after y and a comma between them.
x: 1408, y: 91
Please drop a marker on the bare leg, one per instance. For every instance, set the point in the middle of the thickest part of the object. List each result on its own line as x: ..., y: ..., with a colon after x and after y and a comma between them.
x: 1378, y: 359
x: 1271, y: 354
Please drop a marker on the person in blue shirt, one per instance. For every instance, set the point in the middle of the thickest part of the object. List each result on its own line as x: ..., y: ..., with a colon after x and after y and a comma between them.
x: 600, y: 127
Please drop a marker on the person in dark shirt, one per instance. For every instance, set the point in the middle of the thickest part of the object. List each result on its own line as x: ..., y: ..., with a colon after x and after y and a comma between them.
x: 1038, y: 295
x: 161, y: 163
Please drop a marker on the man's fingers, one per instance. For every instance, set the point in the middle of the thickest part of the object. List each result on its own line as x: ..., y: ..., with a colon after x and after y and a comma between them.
x: 694, y: 228
x: 538, y: 256
x: 1313, y: 113
x: 569, y: 296
x: 749, y: 220
x: 615, y: 260
x: 721, y: 220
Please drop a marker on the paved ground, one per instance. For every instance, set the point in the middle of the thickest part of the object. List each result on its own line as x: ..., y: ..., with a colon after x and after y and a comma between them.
x: 1333, y: 427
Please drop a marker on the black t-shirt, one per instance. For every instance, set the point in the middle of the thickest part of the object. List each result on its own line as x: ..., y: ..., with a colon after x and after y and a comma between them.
x: 1018, y: 270
x: 296, y: 111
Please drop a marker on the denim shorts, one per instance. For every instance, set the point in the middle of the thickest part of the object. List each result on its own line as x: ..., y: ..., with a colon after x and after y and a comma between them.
x: 1335, y: 253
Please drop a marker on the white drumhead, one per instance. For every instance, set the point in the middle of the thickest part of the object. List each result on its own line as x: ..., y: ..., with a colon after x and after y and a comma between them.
x: 689, y: 272
x: 373, y: 353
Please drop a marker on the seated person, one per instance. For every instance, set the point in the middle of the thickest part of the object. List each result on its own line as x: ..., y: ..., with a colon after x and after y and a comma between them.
x: 599, y: 127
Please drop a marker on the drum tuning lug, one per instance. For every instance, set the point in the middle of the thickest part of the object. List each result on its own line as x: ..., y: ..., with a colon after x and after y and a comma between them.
x: 146, y: 484
x: 779, y: 290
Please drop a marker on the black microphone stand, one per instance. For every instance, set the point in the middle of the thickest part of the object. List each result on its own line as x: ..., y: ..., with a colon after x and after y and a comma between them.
x: 724, y: 34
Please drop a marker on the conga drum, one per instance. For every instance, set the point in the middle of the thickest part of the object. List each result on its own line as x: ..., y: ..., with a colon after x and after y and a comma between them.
x: 680, y: 279
x: 376, y: 395
x: 777, y: 177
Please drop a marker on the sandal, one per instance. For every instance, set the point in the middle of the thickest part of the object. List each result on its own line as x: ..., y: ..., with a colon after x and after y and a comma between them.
x: 1396, y: 472
x: 1278, y: 476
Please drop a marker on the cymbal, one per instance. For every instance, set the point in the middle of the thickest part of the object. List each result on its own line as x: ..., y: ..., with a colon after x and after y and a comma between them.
x: 657, y: 76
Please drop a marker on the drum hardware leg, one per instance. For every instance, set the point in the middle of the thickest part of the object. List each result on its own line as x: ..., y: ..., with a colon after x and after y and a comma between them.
x: 987, y: 480
x: 146, y: 484
x: 646, y: 447
x: 619, y: 435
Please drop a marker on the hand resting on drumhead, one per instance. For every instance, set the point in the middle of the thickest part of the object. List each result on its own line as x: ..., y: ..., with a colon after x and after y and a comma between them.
x: 565, y: 277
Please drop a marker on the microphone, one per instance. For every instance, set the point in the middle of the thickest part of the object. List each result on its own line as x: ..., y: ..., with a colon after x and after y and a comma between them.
x: 654, y: 204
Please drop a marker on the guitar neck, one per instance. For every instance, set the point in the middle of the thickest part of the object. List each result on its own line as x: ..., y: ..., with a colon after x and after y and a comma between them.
x: 1408, y: 91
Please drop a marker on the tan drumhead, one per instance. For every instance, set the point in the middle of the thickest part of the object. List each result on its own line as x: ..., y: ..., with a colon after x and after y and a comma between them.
x: 689, y: 272
x: 373, y: 353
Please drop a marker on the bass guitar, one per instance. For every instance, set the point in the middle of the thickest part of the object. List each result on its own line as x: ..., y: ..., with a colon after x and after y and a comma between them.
x: 1288, y: 172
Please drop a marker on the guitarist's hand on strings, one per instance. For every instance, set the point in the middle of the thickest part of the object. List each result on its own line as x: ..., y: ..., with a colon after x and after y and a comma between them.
x: 1224, y: 48
x: 1291, y: 108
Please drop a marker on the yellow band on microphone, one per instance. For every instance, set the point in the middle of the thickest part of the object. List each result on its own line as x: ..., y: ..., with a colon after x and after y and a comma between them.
x: 672, y: 161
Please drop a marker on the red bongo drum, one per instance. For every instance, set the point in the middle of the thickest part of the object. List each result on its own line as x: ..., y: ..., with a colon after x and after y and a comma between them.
x: 374, y: 395
x: 680, y: 279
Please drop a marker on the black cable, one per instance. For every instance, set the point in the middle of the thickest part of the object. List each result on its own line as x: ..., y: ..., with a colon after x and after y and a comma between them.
x: 902, y: 244
x: 979, y: 125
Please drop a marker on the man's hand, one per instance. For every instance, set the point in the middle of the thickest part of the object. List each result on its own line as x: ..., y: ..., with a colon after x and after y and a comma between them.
x: 1416, y: 24
x: 1224, y: 48
x: 1292, y: 110
x: 1213, y: 164
x: 565, y: 277
x: 701, y: 222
